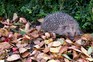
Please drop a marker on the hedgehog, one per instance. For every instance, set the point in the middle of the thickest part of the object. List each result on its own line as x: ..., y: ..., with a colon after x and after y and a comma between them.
x: 62, y: 24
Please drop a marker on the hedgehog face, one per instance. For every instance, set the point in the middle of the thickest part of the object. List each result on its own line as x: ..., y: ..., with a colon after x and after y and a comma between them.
x: 72, y: 31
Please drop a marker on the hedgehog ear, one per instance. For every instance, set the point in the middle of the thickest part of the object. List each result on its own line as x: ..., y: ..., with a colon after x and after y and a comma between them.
x: 41, y: 20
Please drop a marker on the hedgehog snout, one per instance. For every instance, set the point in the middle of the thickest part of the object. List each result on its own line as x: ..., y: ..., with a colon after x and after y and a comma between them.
x: 70, y: 35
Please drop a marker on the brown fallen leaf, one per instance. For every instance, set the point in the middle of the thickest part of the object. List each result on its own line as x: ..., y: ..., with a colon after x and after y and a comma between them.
x: 27, y: 27
x: 82, y: 60
x: 41, y: 20
x: 66, y: 60
x: 84, y: 51
x: 47, y: 35
x: 52, y: 60
x: 38, y: 28
x: 34, y: 34
x: 4, y: 45
x: 56, y: 44
x: 29, y: 59
x: 53, y: 35
x: 37, y: 47
x: 69, y: 41
x: 76, y: 48
x: 26, y: 37
x: 63, y: 49
x: 4, y: 32
x: 90, y: 59
x: 13, y: 57
x: 25, y: 54
x: 34, y: 52
x: 20, y: 45
x: 41, y: 43
x: 58, y: 61
x: 36, y: 42
x: 43, y: 56
x: 22, y: 20
x: 2, y: 54
x: 22, y: 50
x: 55, y: 50
x: 43, y: 60
x: 79, y: 42
x: 46, y: 49
x: 48, y: 41
x: 75, y: 55
x: 43, y: 37
x: 87, y: 37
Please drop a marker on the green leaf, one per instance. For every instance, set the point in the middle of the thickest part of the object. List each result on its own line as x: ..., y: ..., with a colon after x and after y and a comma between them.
x: 22, y: 32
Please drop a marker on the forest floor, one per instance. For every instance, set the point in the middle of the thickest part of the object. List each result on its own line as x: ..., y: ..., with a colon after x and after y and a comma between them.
x: 19, y: 42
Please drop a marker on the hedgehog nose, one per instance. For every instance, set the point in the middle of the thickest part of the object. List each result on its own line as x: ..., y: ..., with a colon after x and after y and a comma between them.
x: 71, y: 37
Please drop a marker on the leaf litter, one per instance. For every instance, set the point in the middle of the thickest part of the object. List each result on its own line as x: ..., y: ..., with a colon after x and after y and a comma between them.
x: 29, y: 44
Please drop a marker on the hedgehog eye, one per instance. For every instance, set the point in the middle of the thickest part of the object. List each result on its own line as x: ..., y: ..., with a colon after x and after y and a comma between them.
x: 68, y: 33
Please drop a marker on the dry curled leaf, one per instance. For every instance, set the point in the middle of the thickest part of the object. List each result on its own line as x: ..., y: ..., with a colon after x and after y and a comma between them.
x: 22, y: 50
x: 34, y: 34
x: 38, y: 28
x: 56, y: 44
x: 27, y: 27
x: 79, y: 42
x: 41, y: 20
x: 43, y: 37
x: 43, y: 56
x: 76, y: 48
x: 4, y: 45
x: 55, y: 50
x: 90, y: 59
x: 63, y: 49
x: 19, y: 45
x: 13, y: 57
x: 46, y: 49
x: 75, y: 55
x: 47, y: 34
x: 69, y: 41
x: 87, y: 37
x: 22, y: 20
x: 25, y: 54
x: 52, y: 60
x: 29, y: 60
x: 66, y: 60
x: 48, y: 41
x: 84, y: 51
x: 37, y: 46
x: 15, y: 16
x: 26, y: 37
x: 4, y: 32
